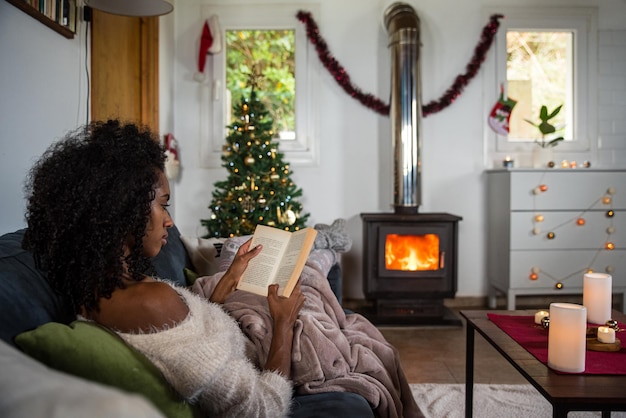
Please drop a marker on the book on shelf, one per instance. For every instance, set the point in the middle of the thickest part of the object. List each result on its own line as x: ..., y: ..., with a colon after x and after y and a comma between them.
x: 281, y: 260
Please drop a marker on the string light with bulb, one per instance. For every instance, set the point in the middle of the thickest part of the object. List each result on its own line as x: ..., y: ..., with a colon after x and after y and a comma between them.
x: 576, y: 221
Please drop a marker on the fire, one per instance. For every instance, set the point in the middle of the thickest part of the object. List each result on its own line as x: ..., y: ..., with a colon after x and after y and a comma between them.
x: 412, y: 252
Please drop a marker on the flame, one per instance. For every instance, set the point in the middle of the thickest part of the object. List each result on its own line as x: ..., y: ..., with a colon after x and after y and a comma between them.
x: 412, y: 252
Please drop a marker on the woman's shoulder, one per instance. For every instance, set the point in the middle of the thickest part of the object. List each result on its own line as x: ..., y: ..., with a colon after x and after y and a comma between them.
x: 142, y: 307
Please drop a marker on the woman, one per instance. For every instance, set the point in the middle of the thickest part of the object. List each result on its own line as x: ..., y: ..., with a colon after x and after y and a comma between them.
x: 96, y: 213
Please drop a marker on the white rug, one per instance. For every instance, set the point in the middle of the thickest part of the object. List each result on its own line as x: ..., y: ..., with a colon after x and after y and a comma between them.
x: 490, y: 401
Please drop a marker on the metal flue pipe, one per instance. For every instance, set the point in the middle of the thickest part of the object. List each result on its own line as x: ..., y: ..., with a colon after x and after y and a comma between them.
x: 403, y: 27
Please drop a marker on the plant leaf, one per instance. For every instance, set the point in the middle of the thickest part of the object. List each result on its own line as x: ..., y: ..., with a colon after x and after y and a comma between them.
x: 543, y: 114
x: 546, y: 128
x: 554, y: 112
x: 555, y: 141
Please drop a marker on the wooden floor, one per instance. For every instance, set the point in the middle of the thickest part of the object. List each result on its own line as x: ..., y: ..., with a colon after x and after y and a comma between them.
x: 436, y: 354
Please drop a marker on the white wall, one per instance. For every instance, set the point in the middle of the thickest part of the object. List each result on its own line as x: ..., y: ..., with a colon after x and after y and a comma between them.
x: 41, y: 98
x: 353, y: 176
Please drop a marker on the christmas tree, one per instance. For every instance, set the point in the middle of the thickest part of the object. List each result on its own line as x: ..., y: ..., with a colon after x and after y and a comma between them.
x: 258, y: 189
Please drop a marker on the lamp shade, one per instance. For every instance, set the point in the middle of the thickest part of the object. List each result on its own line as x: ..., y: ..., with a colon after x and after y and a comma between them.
x: 136, y: 8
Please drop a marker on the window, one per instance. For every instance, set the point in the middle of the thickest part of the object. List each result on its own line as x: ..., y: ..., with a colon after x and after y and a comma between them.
x: 286, y: 82
x: 544, y: 57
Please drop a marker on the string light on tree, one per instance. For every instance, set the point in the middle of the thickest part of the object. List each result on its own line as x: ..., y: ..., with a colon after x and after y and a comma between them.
x: 577, y: 221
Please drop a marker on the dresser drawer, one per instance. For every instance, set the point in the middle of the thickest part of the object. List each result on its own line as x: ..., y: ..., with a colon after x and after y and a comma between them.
x: 567, y: 233
x: 566, y: 267
x: 566, y: 189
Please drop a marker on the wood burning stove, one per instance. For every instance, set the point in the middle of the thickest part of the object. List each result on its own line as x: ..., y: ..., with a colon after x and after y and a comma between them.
x: 409, y: 259
x: 410, y: 266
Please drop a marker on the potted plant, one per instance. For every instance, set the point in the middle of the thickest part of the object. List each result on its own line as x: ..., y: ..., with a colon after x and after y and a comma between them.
x: 543, y: 155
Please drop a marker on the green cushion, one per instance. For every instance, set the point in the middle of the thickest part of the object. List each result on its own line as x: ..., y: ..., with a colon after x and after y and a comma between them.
x: 93, y: 352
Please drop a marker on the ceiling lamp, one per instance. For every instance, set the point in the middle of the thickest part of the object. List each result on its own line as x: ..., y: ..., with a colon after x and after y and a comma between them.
x: 137, y: 8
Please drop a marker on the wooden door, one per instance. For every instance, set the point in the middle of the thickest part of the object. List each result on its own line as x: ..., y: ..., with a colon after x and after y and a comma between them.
x: 125, y: 69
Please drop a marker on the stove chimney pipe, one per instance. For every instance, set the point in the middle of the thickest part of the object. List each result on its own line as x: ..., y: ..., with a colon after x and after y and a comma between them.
x: 403, y: 27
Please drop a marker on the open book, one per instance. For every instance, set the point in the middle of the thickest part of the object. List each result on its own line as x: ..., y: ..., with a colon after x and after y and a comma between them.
x: 281, y: 260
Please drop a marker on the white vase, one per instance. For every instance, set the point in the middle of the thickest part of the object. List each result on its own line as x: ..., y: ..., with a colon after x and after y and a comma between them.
x: 542, y: 156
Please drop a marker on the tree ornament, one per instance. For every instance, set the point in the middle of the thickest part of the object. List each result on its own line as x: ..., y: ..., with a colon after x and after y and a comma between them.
x: 249, y: 160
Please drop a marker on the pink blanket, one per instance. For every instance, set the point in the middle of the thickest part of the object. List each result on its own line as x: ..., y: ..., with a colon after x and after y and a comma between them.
x: 333, y: 351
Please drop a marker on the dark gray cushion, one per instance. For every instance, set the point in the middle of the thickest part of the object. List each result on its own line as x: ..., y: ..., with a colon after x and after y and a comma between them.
x: 171, y: 262
x: 26, y: 299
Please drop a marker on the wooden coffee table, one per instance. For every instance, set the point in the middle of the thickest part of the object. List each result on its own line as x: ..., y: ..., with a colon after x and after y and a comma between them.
x: 565, y: 392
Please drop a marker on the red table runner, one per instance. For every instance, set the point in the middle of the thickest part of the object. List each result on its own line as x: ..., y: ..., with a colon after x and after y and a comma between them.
x: 534, y: 338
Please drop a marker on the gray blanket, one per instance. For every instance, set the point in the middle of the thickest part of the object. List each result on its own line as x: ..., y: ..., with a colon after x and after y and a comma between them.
x: 333, y: 351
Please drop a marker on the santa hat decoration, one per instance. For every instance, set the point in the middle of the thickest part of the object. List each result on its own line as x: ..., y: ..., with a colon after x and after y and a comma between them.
x: 210, y: 43
x: 172, y: 163
x: 501, y: 114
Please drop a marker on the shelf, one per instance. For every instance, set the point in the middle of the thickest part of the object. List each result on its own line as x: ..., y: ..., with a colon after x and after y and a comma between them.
x: 36, y: 14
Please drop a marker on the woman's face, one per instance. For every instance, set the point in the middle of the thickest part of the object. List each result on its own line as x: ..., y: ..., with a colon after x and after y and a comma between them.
x: 159, y: 221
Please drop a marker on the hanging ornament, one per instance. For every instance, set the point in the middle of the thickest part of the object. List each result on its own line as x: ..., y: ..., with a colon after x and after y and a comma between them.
x: 500, y: 114
x: 247, y: 204
x: 210, y: 43
x: 172, y: 163
x: 249, y: 160
x: 290, y: 217
x: 274, y: 176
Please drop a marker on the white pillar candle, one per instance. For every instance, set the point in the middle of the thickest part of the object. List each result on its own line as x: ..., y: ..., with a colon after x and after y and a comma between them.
x: 540, y: 315
x: 606, y: 335
x: 567, y: 337
x: 597, y: 298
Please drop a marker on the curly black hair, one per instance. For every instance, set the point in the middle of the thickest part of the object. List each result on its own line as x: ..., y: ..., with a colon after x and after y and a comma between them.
x: 87, y: 195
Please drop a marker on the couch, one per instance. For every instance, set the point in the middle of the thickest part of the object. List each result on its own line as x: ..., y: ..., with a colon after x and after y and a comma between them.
x: 56, y: 366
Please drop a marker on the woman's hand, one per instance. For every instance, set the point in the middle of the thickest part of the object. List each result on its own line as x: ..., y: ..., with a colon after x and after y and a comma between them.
x: 284, y: 312
x: 228, y: 282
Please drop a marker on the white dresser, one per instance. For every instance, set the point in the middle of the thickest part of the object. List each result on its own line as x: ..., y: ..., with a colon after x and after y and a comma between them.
x: 546, y: 228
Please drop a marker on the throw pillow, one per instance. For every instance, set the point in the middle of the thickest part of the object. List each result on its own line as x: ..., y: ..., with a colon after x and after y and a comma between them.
x: 95, y: 353
x: 204, y: 253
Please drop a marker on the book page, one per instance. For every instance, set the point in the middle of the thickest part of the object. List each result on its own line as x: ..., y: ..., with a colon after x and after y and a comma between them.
x: 290, y: 259
x: 261, y: 269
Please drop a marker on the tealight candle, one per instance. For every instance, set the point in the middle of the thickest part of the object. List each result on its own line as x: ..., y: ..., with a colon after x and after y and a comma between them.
x: 606, y: 335
x: 540, y: 315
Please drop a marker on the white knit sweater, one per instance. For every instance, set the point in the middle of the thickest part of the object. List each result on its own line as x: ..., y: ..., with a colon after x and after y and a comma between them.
x: 204, y: 359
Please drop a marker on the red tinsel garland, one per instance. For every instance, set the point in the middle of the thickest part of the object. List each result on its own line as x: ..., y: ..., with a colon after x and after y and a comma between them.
x: 372, y: 102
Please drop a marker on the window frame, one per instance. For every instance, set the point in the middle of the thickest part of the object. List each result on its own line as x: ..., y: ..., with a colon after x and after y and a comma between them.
x: 581, y: 21
x: 304, y: 150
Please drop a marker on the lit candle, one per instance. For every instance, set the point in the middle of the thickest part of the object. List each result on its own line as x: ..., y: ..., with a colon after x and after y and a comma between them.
x: 597, y: 297
x: 567, y: 337
x: 540, y: 315
x: 507, y: 162
x: 606, y: 335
